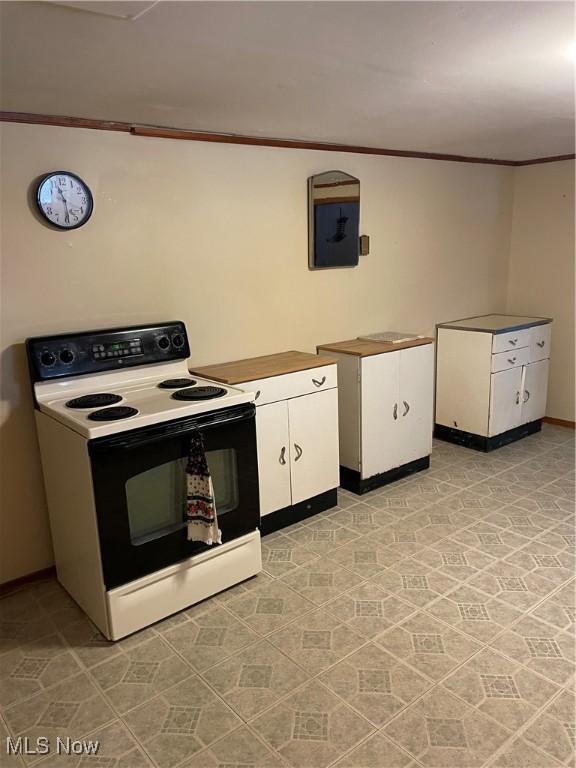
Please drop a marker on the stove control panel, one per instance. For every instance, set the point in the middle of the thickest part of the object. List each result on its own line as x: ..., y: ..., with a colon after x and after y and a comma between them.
x: 107, y: 350
x: 74, y: 354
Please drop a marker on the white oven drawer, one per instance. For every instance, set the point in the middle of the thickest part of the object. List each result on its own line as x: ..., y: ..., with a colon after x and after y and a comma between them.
x: 540, y: 342
x: 153, y: 597
x: 512, y: 359
x: 503, y: 342
x: 290, y: 385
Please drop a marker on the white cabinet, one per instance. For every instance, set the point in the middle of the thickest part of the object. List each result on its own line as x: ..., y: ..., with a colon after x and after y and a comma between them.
x: 505, y: 401
x: 296, y: 400
x: 379, y: 378
x: 385, y: 410
x: 297, y: 449
x: 313, y: 427
x: 491, y: 379
x: 415, y: 403
x: 273, y: 440
x: 534, y: 391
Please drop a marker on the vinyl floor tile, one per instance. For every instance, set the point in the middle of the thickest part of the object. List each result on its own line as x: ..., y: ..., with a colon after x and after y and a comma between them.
x: 312, y: 727
x: 239, y: 748
x: 116, y: 748
x: 369, y: 610
x: 428, y: 645
x: 181, y: 721
x: 553, y: 731
x: 375, y: 683
x: 376, y: 752
x: 501, y: 688
x: 316, y: 641
x: 440, y: 730
x: 255, y: 678
x: 541, y: 647
x: 140, y: 673
x: 209, y: 638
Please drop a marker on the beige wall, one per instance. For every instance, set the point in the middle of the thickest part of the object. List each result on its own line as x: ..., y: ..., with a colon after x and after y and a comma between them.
x: 541, y: 276
x: 216, y: 235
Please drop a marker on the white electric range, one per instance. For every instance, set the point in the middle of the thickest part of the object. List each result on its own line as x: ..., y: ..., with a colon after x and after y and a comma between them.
x: 115, y: 410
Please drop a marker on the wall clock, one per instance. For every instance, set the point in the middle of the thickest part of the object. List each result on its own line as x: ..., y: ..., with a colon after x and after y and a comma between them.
x: 64, y: 200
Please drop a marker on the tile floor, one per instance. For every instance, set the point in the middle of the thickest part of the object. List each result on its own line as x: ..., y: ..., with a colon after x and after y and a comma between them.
x: 428, y: 624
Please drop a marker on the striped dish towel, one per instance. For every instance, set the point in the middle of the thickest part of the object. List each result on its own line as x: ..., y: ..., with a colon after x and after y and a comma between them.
x: 200, y: 505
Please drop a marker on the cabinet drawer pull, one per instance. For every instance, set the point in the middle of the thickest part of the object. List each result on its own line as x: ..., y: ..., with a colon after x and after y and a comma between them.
x: 319, y: 383
x: 526, y: 396
x: 406, y: 408
x: 513, y: 342
x: 511, y: 360
x: 540, y: 343
x: 395, y: 411
x: 299, y: 451
x: 257, y: 395
x: 282, y: 458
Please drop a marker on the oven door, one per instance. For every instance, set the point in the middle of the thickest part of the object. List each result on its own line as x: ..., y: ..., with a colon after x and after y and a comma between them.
x: 140, y: 489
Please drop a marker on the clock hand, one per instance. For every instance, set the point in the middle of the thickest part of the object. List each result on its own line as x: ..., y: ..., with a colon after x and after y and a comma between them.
x: 66, y: 216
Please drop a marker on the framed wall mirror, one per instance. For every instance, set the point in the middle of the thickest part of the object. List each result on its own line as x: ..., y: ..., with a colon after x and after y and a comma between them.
x: 333, y: 220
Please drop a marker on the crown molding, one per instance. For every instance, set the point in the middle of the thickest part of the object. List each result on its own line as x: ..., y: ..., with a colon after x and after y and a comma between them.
x: 161, y: 132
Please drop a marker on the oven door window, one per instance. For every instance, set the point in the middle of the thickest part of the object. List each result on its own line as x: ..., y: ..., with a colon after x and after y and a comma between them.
x: 156, y: 498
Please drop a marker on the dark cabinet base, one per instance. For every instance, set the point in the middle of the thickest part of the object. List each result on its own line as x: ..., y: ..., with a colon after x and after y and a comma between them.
x: 482, y: 443
x: 296, y: 512
x: 352, y: 481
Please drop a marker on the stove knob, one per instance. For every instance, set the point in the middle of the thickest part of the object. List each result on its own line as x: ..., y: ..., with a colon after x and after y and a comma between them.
x: 66, y: 355
x: 178, y: 340
x: 47, y: 359
x: 163, y: 342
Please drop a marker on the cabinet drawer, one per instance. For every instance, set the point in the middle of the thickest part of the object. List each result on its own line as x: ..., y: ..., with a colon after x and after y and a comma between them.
x: 290, y: 385
x: 502, y: 342
x: 540, y: 338
x: 512, y: 359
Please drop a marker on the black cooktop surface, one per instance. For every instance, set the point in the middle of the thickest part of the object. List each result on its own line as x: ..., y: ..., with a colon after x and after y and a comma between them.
x: 96, y: 400
x: 113, y: 414
x: 177, y: 383
x: 199, y: 393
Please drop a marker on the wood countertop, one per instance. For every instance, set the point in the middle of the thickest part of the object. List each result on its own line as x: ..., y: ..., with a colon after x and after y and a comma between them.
x: 240, y: 371
x: 362, y: 348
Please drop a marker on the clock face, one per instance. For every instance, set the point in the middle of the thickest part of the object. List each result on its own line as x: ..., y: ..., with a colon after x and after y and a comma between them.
x: 64, y: 200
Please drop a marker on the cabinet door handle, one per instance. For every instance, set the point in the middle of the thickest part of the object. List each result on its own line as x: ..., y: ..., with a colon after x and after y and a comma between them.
x: 395, y: 411
x: 517, y: 397
x: 511, y: 360
x: 257, y: 395
x: 406, y: 408
x: 540, y: 343
x: 526, y: 396
x: 299, y: 451
x: 513, y: 342
x: 282, y: 458
x: 319, y: 383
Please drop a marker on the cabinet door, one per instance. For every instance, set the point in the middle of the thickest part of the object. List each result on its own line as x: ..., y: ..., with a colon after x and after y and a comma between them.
x: 314, y: 461
x: 415, y: 403
x: 505, y: 401
x: 535, y: 391
x: 380, y: 413
x: 273, y: 456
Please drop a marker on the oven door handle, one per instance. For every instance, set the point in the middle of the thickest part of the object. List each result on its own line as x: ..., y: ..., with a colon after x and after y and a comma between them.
x: 177, y: 428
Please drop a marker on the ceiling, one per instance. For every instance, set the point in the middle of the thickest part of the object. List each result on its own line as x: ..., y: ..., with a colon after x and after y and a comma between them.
x: 489, y: 79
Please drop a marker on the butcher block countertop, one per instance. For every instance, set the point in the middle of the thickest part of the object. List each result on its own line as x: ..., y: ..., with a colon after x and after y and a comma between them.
x: 239, y: 371
x: 362, y: 348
